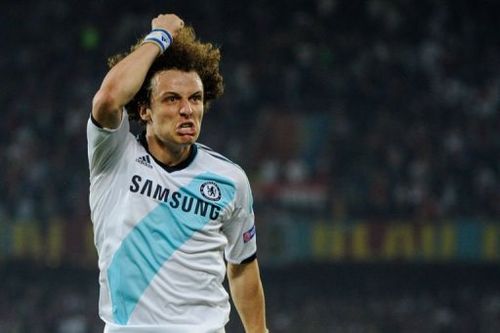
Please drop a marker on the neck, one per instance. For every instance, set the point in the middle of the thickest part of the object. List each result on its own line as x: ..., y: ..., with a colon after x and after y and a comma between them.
x: 170, y: 155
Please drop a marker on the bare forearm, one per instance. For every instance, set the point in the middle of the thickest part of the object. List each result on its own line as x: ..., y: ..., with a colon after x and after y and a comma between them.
x: 125, y: 79
x: 248, y: 296
x: 121, y: 84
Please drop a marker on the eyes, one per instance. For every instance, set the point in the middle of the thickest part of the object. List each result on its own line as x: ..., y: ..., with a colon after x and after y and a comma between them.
x: 172, y: 99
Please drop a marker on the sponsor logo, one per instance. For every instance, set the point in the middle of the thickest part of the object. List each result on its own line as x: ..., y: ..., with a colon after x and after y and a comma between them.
x: 247, y: 236
x: 145, y: 160
x: 174, y: 199
x: 211, y: 191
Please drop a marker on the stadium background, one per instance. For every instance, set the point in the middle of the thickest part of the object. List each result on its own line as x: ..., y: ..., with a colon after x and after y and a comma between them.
x: 370, y: 131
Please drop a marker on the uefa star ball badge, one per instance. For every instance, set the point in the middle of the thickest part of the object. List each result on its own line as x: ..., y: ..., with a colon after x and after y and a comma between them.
x: 210, y: 190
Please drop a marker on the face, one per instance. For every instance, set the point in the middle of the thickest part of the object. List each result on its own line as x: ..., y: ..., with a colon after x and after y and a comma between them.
x: 174, y: 116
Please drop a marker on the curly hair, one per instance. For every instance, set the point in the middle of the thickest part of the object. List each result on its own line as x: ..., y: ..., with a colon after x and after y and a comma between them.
x: 186, y: 53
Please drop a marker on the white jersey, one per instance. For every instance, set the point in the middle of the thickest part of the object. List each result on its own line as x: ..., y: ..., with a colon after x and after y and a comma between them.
x: 162, y: 232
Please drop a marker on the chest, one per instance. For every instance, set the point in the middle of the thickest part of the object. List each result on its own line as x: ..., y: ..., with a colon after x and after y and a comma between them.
x: 185, y: 193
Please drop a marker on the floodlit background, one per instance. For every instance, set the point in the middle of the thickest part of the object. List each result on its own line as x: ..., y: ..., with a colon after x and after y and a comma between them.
x: 370, y: 131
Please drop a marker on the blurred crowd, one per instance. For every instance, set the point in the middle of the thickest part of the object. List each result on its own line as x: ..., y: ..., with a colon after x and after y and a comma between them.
x: 344, y: 109
x: 346, y: 299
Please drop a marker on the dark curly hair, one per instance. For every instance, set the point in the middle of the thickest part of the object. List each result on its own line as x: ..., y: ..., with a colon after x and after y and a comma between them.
x: 186, y: 53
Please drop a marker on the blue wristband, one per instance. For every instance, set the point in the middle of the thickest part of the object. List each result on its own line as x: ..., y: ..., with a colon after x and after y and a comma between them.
x: 161, y: 37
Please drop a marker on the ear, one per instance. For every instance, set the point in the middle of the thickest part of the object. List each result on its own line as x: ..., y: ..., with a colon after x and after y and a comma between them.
x: 145, y: 113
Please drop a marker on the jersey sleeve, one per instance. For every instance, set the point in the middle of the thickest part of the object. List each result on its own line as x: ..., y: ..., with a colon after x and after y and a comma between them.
x: 105, y: 145
x: 240, y: 228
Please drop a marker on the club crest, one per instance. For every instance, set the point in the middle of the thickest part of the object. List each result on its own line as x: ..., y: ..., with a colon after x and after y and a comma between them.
x: 211, y: 191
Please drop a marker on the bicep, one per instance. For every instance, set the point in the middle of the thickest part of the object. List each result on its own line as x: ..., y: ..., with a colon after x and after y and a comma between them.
x: 105, y: 111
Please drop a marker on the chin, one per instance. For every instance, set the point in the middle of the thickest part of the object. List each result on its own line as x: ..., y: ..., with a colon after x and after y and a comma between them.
x: 187, y: 141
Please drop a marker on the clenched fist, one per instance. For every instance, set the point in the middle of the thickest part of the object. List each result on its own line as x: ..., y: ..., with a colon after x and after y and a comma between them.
x: 170, y: 22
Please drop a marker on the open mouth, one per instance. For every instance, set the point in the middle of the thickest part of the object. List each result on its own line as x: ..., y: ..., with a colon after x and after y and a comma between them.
x: 186, y: 128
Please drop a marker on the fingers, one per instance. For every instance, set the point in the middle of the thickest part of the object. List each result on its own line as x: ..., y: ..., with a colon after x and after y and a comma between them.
x: 170, y: 22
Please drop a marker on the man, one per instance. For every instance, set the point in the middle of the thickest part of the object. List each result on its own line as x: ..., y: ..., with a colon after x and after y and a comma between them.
x: 165, y: 209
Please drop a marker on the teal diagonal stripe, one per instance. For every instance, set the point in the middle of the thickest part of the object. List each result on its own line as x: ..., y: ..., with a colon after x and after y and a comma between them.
x: 156, y: 237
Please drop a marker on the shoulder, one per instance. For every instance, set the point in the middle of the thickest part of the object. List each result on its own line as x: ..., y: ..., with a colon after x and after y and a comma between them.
x: 220, y: 163
x: 216, y: 163
x: 206, y: 150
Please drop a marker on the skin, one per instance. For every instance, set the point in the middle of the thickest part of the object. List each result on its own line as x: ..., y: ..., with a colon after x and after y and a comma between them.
x: 248, y: 295
x: 125, y: 79
x: 174, y: 116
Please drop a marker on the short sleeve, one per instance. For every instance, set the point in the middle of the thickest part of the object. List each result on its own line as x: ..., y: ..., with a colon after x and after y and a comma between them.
x: 240, y: 228
x: 105, y: 145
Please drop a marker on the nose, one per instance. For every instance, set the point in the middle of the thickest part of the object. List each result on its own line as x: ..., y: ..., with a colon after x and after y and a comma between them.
x: 185, y: 108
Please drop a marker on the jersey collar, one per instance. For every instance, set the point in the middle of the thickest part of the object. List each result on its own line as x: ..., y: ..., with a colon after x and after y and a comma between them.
x: 184, y: 164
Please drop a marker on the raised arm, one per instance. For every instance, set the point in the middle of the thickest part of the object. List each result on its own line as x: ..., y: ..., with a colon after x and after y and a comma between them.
x: 125, y: 79
x: 248, y: 295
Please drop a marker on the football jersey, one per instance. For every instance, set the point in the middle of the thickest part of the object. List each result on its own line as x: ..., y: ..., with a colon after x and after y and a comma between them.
x: 162, y: 233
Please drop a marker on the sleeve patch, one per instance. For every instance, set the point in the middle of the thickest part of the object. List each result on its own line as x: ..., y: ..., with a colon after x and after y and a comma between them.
x: 247, y: 236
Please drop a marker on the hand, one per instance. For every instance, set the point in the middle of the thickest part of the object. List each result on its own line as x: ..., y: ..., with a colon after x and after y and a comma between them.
x: 170, y: 22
